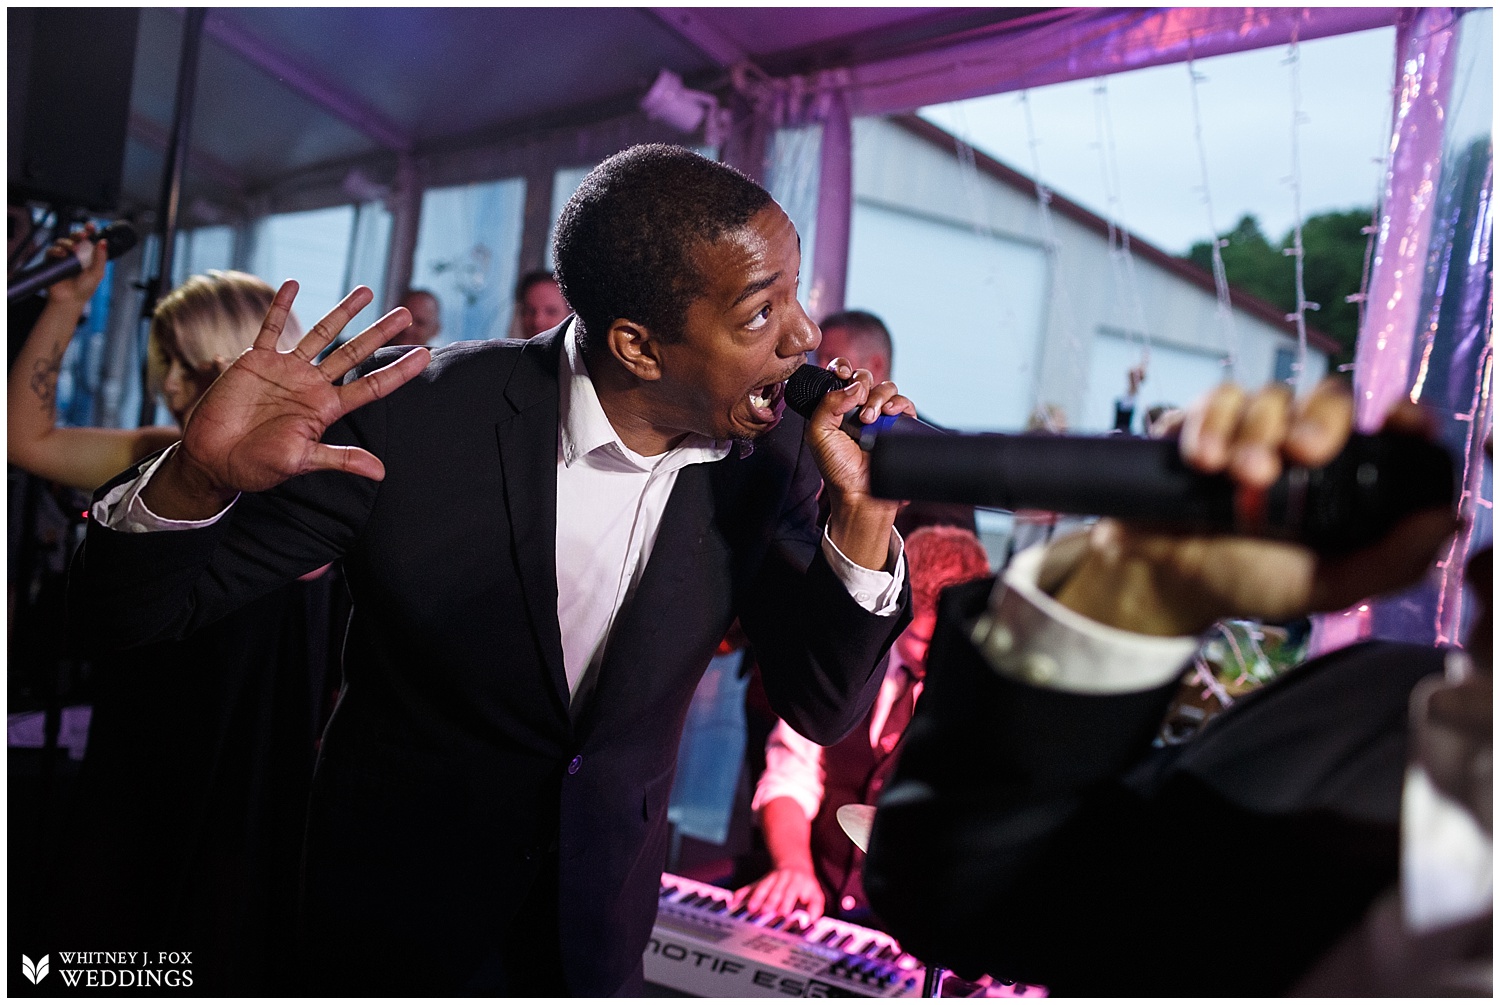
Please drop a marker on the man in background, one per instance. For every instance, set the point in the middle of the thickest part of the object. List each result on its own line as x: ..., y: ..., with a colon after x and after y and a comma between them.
x: 539, y: 304
x: 426, y: 318
x: 860, y: 337
x: 1125, y: 406
x: 863, y: 339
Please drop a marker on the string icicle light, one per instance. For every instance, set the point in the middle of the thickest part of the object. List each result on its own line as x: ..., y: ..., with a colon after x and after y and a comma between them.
x: 968, y: 171
x: 1122, y: 262
x: 1054, y: 247
x: 1372, y: 230
x: 1297, y: 252
x: 1216, y: 244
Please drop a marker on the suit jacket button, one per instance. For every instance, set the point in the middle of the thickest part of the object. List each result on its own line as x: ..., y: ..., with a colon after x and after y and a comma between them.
x: 575, y: 764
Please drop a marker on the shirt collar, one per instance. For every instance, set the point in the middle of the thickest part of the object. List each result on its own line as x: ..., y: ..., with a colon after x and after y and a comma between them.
x: 585, y: 429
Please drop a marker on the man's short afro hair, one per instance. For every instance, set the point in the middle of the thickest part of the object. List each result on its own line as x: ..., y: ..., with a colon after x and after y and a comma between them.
x: 625, y: 242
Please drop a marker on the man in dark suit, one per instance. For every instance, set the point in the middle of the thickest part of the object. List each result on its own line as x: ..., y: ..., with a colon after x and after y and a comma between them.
x: 1032, y: 830
x: 545, y: 542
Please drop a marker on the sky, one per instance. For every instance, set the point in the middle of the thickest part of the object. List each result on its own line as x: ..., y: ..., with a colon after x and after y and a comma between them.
x: 1245, y: 112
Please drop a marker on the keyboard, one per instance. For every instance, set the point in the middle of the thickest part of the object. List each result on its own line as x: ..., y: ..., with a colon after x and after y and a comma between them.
x: 700, y: 947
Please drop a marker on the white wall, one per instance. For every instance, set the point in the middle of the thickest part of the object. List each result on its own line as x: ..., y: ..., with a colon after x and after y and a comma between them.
x: 954, y: 224
x: 1175, y: 376
x: 965, y: 310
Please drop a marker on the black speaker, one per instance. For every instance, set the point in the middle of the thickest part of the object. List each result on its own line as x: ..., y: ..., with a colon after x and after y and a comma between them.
x: 69, y: 72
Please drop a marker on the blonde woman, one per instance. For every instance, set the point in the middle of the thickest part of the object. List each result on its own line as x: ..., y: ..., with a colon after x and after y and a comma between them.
x: 196, y: 331
x: 185, y: 829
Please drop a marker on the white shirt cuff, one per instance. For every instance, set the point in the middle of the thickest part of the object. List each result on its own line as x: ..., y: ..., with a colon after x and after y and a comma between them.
x: 123, y: 509
x: 794, y: 768
x: 875, y: 591
x: 1028, y: 636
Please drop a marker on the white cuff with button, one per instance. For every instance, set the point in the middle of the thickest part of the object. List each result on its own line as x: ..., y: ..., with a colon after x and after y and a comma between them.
x: 876, y: 591
x: 1030, y: 637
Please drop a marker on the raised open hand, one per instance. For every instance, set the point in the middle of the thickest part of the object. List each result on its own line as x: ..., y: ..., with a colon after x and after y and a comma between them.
x: 262, y: 421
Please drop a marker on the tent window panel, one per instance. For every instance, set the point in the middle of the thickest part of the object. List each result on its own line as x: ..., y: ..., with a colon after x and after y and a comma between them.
x: 81, y: 371
x: 468, y: 253
x: 564, y: 183
x: 311, y: 247
x: 200, y: 250
x: 792, y: 178
x: 369, y: 252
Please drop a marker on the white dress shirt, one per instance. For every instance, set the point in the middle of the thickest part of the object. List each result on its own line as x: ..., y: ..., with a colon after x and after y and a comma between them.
x: 794, y: 764
x: 610, y: 502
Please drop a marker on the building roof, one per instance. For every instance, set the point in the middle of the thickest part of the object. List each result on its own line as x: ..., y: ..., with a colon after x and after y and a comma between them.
x: 1183, y: 268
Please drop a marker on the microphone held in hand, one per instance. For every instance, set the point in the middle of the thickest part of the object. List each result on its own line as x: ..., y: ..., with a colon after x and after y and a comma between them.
x: 1353, y: 501
x: 121, y: 237
x: 809, y: 385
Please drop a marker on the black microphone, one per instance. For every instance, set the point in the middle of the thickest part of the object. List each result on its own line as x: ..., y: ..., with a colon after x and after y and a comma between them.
x: 121, y: 237
x: 806, y: 387
x: 1352, y: 501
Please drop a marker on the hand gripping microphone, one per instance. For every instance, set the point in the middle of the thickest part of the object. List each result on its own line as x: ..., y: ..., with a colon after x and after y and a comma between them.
x: 1352, y: 501
x: 806, y: 387
x: 121, y: 237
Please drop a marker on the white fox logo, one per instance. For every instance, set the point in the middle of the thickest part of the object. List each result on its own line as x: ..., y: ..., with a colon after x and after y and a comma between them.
x: 34, y: 972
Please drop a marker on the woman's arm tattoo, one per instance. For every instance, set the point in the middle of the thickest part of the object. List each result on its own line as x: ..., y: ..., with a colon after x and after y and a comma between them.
x: 44, y: 376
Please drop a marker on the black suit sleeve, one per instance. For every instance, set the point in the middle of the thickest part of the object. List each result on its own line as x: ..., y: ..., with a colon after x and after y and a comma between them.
x: 1039, y: 836
x: 818, y: 649
x: 126, y: 589
x: 995, y: 780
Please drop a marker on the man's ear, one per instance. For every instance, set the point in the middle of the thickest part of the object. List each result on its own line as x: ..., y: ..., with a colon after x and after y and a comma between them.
x: 635, y: 348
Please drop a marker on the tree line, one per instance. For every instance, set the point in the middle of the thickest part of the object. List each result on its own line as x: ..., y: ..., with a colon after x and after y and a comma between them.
x: 1333, y: 268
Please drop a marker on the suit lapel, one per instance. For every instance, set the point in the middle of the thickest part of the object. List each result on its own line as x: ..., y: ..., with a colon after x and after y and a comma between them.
x: 634, y: 643
x: 528, y: 456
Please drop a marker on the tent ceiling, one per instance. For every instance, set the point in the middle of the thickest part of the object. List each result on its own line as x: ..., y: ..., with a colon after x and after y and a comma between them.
x: 285, y: 90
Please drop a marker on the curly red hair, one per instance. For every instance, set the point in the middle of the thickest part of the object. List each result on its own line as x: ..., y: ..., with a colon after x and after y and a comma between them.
x: 940, y: 557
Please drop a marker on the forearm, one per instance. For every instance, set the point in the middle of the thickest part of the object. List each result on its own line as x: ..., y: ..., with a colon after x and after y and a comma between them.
x: 819, y: 649
x: 1134, y: 594
x: 31, y: 405
x: 862, y: 529
x: 83, y: 458
x: 788, y: 834
x: 126, y: 589
x: 132, y: 584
